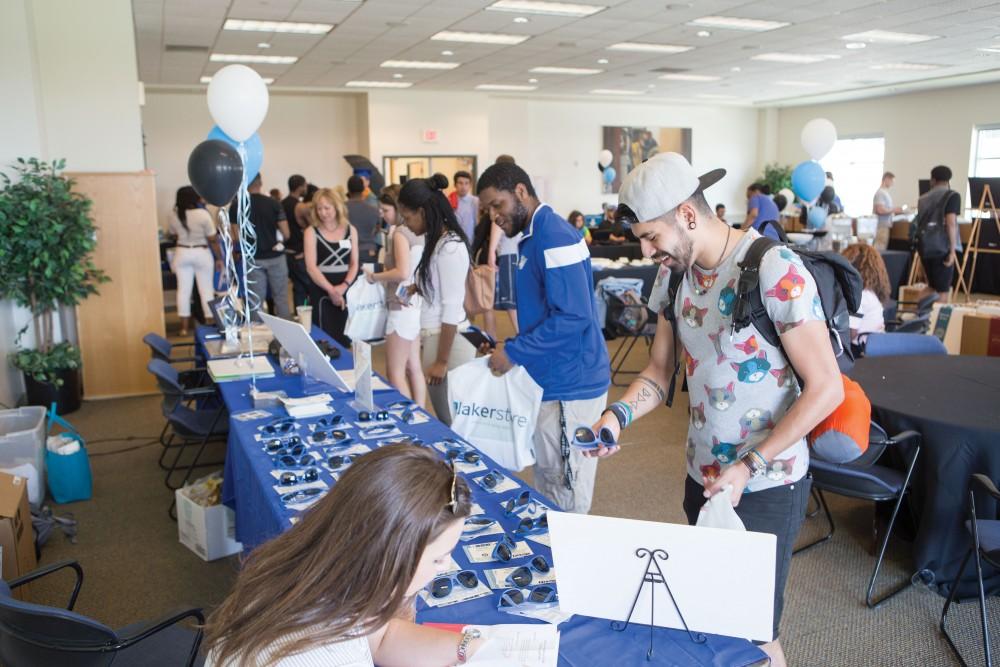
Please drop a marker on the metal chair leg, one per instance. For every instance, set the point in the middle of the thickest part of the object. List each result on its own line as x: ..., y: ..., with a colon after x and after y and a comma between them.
x: 947, y: 605
x: 814, y: 497
x: 617, y: 369
x: 982, y: 610
x: 821, y: 503
x: 869, y: 600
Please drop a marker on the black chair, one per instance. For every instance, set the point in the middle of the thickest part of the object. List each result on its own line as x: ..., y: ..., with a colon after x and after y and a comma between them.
x: 624, y: 349
x: 917, y: 315
x: 865, y: 479
x: 985, y: 535
x: 161, y: 348
x: 34, y: 634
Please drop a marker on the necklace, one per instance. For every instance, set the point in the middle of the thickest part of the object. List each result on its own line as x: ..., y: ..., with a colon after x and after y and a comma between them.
x: 729, y: 231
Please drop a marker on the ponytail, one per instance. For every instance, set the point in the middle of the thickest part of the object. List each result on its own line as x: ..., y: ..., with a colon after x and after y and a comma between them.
x: 426, y: 194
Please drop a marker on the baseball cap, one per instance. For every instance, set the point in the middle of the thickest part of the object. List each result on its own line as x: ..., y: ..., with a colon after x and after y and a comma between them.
x: 659, y: 185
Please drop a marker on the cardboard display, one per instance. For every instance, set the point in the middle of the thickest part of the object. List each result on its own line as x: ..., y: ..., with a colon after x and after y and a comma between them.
x: 981, y: 335
x: 207, y: 531
x: 17, y: 535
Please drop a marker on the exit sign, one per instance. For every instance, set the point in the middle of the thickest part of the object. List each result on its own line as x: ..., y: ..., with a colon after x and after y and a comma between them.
x: 430, y: 136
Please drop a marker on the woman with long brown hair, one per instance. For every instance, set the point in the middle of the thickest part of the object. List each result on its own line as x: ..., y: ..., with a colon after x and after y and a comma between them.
x: 333, y: 590
x: 330, y: 244
x: 871, y: 314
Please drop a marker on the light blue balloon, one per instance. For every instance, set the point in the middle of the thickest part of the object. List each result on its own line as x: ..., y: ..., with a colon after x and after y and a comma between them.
x: 808, y: 180
x: 609, y: 175
x: 253, y: 147
x: 816, y: 217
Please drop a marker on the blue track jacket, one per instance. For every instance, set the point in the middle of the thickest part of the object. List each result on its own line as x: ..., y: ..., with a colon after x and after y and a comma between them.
x: 560, y: 343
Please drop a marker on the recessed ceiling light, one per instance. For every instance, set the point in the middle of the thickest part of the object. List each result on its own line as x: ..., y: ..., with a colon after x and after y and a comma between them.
x: 734, y: 23
x: 532, y: 80
x: 565, y: 70
x: 278, y: 26
x: 447, y: 53
x: 703, y: 33
x: 646, y: 47
x: 602, y: 61
x: 263, y: 45
x: 520, y: 19
x: 690, y: 77
x: 504, y: 86
x: 855, y: 45
x: 651, y: 85
x: 397, y: 75
x: 478, y: 37
x: 615, y: 91
x: 797, y: 84
x: 887, y: 37
x: 550, y: 8
x: 990, y: 50
x: 735, y: 69
x: 792, y: 58
x: 418, y: 64
x: 712, y: 96
x: 266, y: 60
x: 915, y: 67
x: 378, y: 84
x: 267, y: 80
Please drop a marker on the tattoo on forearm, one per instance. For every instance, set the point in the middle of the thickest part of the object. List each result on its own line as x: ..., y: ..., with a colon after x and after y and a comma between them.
x: 654, y: 386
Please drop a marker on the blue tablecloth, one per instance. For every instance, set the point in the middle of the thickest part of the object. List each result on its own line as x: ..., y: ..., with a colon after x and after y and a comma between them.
x: 260, y: 515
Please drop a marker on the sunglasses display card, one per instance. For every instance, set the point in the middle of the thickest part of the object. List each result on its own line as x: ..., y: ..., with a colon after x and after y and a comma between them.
x: 497, y: 578
x: 483, y: 552
x: 301, y: 500
x: 353, y: 448
x: 458, y: 594
x: 294, y: 488
x: 505, y: 484
x: 342, y: 424
x: 252, y: 415
x: 530, y: 510
x: 375, y: 432
x: 467, y: 468
x: 541, y: 538
x: 474, y: 529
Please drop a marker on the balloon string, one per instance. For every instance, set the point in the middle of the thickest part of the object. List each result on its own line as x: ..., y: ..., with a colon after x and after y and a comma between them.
x: 248, y: 248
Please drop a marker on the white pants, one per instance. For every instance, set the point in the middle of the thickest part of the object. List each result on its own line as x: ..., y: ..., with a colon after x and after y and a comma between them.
x: 462, y: 352
x: 192, y: 264
x: 550, y: 468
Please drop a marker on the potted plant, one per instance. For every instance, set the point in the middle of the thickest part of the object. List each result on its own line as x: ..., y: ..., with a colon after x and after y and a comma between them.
x: 46, y: 237
x: 778, y: 176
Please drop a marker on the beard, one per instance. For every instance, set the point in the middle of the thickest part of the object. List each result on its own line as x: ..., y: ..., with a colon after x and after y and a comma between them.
x: 518, y: 218
x: 680, y: 256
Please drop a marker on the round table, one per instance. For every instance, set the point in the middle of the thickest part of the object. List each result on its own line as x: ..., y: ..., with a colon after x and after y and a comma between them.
x: 954, y: 403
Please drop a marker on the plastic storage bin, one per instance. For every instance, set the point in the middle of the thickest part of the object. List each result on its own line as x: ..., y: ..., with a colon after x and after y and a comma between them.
x: 22, y: 439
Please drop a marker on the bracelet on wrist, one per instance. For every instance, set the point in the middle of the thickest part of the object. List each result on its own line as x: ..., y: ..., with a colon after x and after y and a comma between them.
x: 755, y: 463
x: 463, y: 644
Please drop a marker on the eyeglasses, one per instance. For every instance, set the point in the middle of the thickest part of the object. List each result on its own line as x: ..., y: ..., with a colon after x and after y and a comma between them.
x: 327, y: 422
x: 379, y: 416
x: 492, y: 479
x: 530, y: 526
x: 323, y: 436
x: 459, y: 455
x: 340, y: 461
x: 291, y: 478
x: 294, y: 461
x: 515, y: 597
x: 524, y: 575
x: 279, y: 446
x: 300, y: 496
x: 585, y: 438
x: 441, y: 587
x: 281, y: 426
x: 477, y: 524
x: 504, y: 549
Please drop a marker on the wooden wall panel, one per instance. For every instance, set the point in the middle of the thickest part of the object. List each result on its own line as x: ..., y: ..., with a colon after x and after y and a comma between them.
x: 111, y: 324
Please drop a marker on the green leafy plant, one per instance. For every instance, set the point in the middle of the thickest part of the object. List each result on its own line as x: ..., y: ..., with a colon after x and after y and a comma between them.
x: 46, y: 238
x: 778, y: 176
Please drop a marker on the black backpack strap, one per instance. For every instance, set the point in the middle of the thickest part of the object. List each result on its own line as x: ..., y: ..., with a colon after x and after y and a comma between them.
x: 749, y: 303
x: 778, y: 229
x: 673, y: 286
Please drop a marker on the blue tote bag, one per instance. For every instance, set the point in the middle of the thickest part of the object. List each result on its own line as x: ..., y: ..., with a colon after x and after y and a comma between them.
x: 68, y: 475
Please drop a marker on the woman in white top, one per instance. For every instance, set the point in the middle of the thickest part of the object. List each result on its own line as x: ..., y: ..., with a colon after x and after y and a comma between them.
x: 193, y: 261
x: 331, y: 253
x: 333, y: 590
x: 871, y: 315
x: 402, y: 326
x: 440, y: 280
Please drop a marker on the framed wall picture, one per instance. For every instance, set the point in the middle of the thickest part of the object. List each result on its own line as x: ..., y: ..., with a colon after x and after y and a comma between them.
x: 631, y: 146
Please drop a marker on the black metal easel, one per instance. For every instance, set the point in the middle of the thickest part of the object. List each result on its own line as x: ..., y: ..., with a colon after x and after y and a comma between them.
x: 654, y: 577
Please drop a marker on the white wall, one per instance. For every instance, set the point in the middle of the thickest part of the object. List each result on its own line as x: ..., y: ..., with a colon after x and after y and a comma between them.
x: 306, y: 134
x: 921, y: 130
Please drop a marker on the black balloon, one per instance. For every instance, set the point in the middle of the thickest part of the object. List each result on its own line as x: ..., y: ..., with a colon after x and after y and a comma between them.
x: 216, y: 171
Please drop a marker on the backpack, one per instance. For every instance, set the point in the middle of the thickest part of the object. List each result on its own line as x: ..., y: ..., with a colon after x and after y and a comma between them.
x: 929, y: 229
x: 627, y: 313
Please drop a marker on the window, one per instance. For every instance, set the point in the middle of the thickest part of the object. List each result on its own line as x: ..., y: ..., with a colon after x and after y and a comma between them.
x: 986, y: 152
x: 857, y: 165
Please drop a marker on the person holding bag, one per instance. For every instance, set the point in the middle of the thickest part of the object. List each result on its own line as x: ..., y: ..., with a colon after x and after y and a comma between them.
x: 935, y: 232
x: 402, y: 328
x: 440, y: 279
x: 331, y: 252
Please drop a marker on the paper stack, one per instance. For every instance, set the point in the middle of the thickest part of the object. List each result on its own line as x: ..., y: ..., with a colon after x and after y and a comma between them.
x: 308, y: 406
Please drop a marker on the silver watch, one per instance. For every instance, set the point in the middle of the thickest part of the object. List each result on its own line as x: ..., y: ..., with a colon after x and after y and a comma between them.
x: 463, y: 644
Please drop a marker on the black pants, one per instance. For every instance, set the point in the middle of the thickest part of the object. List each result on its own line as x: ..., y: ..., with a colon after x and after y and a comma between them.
x: 778, y: 510
x: 300, y: 279
x: 330, y: 318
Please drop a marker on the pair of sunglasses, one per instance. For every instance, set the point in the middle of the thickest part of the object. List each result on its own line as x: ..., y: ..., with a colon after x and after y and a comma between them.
x: 323, y: 436
x: 329, y: 421
x: 504, y: 549
x: 464, y: 456
x: 585, y: 438
x: 291, y: 478
x: 277, y: 427
x: 522, y: 576
x: 294, y: 461
x: 520, y: 502
x: 379, y: 416
x: 301, y: 496
x: 278, y: 445
x: 515, y: 597
x: 477, y: 524
x: 441, y: 587
x: 529, y: 526
x: 375, y: 431
x: 492, y: 479
x: 338, y: 461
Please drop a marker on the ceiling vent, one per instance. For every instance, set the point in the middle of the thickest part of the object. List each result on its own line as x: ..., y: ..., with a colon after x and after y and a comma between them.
x: 185, y: 48
x: 669, y: 70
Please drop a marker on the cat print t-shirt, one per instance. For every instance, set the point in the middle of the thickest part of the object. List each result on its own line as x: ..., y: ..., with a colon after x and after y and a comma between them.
x: 740, y: 386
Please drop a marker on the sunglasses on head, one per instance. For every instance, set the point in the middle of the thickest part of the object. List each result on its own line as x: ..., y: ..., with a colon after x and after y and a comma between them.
x: 379, y: 416
x: 529, y: 526
x: 441, y: 587
x: 524, y: 575
x: 282, y: 426
x: 504, y: 549
x: 280, y: 446
x: 492, y: 479
x: 323, y: 436
x: 300, y: 496
x: 327, y: 422
x: 291, y: 478
x: 515, y: 597
x: 340, y: 461
x: 462, y: 455
x: 477, y: 524
x: 294, y: 461
x: 585, y: 438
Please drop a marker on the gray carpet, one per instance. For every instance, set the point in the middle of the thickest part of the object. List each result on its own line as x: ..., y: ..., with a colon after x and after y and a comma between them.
x: 136, y: 569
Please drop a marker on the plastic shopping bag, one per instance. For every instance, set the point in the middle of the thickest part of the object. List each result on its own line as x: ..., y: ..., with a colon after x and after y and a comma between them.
x: 496, y: 414
x: 718, y: 512
x: 366, y: 311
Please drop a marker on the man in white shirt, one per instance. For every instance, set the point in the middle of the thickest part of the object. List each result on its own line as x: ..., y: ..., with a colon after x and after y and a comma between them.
x: 882, y: 207
x: 465, y: 203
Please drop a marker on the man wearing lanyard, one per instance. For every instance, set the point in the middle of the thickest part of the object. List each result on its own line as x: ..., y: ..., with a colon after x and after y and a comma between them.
x: 560, y: 342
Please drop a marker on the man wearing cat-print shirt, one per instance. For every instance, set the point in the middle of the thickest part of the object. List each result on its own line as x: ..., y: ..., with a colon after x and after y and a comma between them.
x: 748, y: 414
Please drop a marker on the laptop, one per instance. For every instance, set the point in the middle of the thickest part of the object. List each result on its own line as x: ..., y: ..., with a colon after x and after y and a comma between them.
x: 303, y: 349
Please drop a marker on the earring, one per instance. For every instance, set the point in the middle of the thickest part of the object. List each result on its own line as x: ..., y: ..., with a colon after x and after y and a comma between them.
x: 692, y: 224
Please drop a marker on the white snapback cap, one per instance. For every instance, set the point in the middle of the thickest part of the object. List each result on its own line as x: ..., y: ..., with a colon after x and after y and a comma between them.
x: 660, y: 184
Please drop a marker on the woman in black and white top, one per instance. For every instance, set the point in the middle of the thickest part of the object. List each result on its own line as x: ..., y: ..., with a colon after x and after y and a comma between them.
x: 440, y: 280
x: 193, y: 261
x: 331, y: 251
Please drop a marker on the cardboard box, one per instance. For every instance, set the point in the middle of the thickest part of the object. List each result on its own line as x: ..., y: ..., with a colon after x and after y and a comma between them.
x: 909, y: 295
x: 17, y: 535
x: 207, y: 531
x: 981, y: 335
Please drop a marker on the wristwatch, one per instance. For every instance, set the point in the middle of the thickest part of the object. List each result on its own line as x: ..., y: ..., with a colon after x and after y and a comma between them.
x: 755, y: 463
x: 463, y: 644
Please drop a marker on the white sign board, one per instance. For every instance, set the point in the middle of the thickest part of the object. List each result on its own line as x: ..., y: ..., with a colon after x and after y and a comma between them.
x: 363, y: 374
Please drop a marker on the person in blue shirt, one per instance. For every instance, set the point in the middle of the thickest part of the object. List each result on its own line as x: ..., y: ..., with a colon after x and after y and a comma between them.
x: 761, y: 210
x: 560, y: 342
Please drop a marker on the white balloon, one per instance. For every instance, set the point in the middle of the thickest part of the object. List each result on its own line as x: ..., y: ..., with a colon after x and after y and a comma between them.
x: 605, y: 157
x: 789, y: 198
x: 237, y: 100
x: 818, y: 137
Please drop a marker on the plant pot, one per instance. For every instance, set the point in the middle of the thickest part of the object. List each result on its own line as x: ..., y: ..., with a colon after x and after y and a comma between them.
x: 67, y: 397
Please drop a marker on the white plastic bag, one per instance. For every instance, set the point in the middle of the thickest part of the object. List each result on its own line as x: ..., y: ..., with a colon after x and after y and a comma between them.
x: 366, y: 311
x: 496, y: 414
x: 718, y: 512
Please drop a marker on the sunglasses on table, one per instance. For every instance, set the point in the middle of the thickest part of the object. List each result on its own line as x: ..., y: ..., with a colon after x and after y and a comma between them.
x: 282, y: 445
x: 520, y: 502
x: 329, y: 421
x: 278, y: 427
x: 340, y: 461
x: 294, y: 461
x: 379, y: 416
x: 466, y: 456
x: 291, y: 478
x: 585, y: 438
x: 477, y: 524
x: 335, y: 435
x: 529, y: 526
x: 441, y: 587
x: 516, y: 597
x: 492, y: 479
x: 375, y: 431
x: 301, y: 496
x: 504, y: 549
x: 523, y: 576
